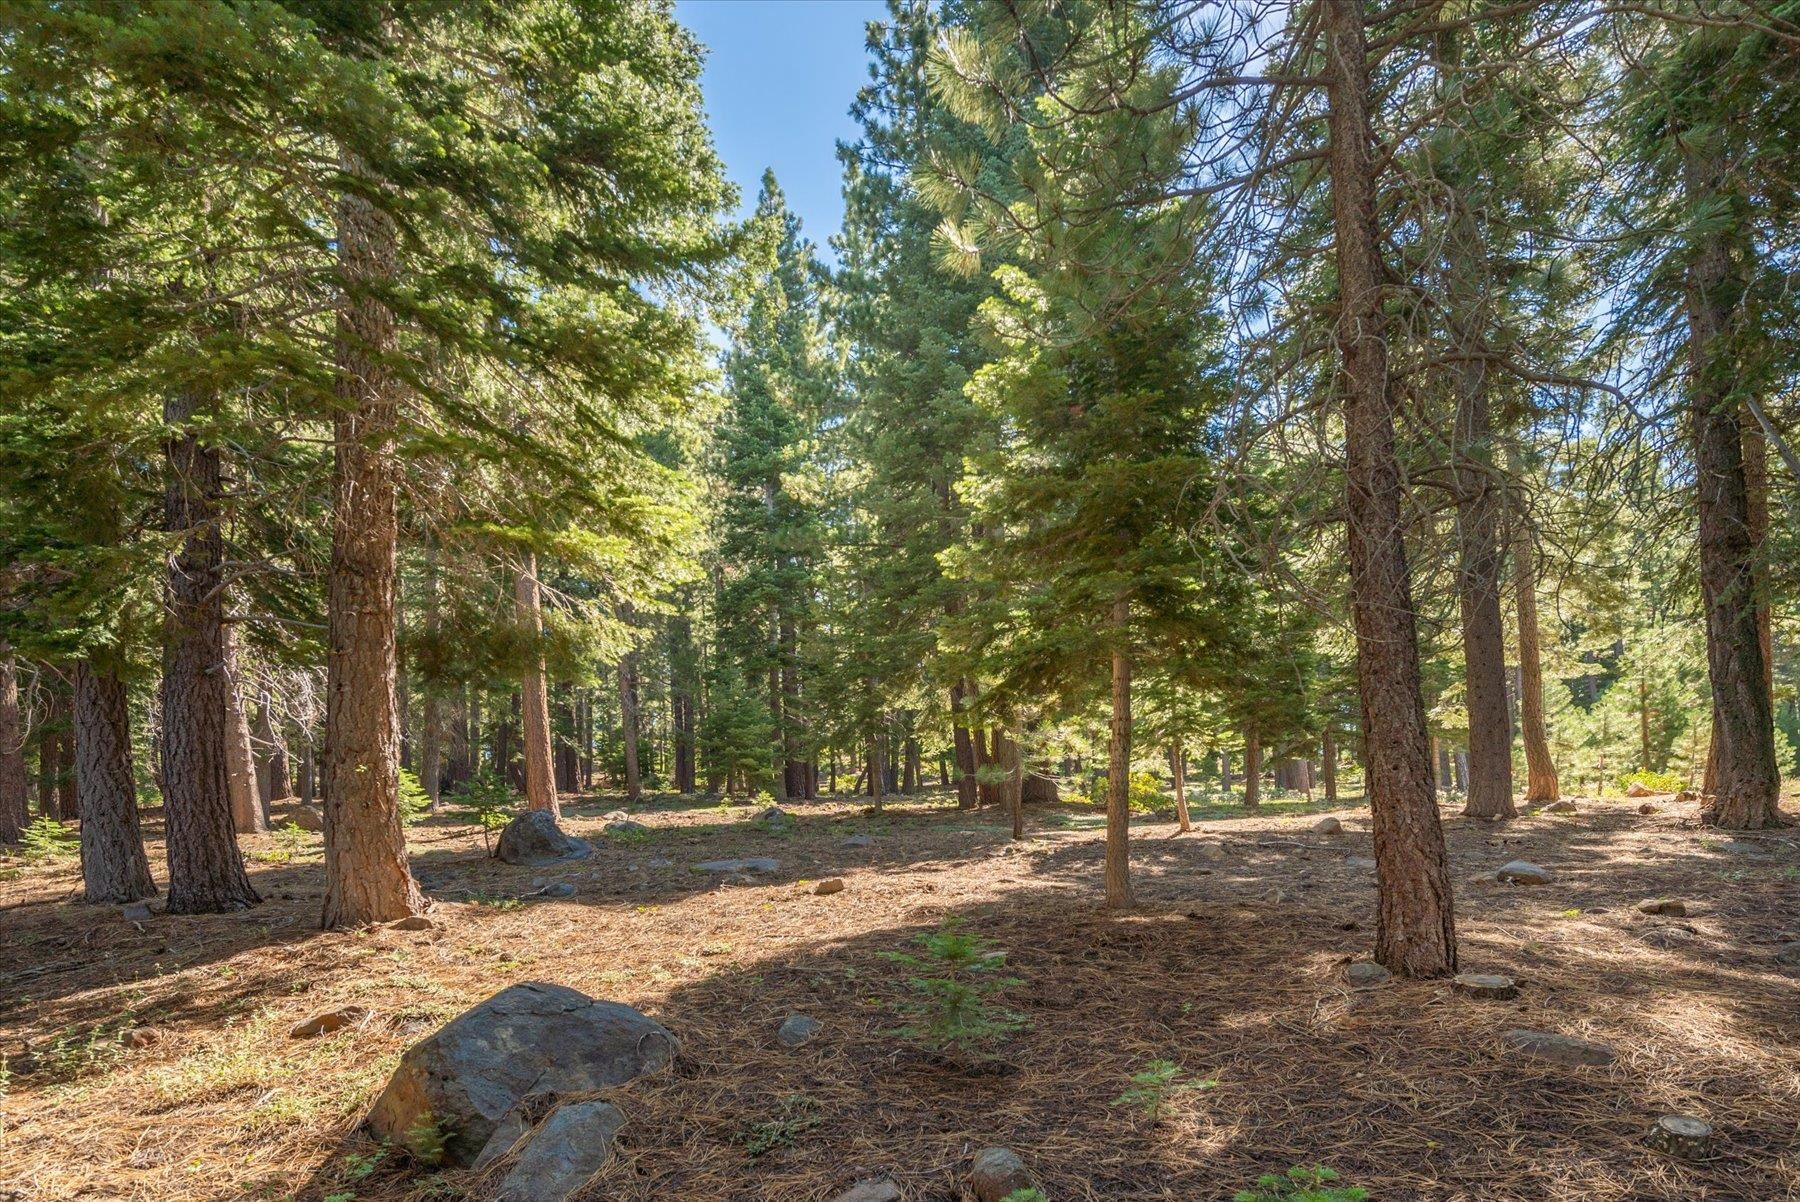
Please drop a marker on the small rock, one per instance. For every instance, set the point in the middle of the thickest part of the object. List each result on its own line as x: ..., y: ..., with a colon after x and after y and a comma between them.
x: 1490, y: 985
x: 1328, y: 826
x: 1560, y: 1049
x: 797, y: 1029
x: 1523, y: 872
x: 1679, y: 1135
x: 856, y: 841
x: 1661, y: 905
x: 1647, y: 808
x: 570, y: 1147
x: 140, y: 1037
x: 1210, y: 851
x: 881, y: 1190
x: 136, y: 912
x: 615, y: 816
x: 555, y: 890
x: 326, y: 1023
x: 659, y: 862
x: 1366, y: 974
x: 1788, y: 953
x: 996, y: 1173
x: 1666, y: 937
x: 774, y: 814
x: 1638, y: 788
x: 534, y: 840
x: 1560, y: 807
x: 308, y: 818
x: 625, y: 826
x: 1361, y: 862
x: 755, y: 864
x: 412, y: 922
x: 1687, y: 795
x: 1741, y: 847
x: 834, y: 885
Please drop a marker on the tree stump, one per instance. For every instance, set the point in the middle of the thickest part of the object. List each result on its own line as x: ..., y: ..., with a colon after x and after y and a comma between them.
x: 1679, y: 1135
x: 1485, y: 985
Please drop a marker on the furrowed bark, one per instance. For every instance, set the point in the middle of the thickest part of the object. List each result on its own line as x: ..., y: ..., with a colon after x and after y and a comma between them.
x: 1415, y: 929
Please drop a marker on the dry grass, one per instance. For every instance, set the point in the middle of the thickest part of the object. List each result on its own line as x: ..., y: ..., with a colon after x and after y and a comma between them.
x: 1231, y: 968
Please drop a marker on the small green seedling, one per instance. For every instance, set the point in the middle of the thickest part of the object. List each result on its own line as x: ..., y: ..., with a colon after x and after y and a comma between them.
x: 1153, y: 1087
x: 1301, y: 1184
x: 957, y: 975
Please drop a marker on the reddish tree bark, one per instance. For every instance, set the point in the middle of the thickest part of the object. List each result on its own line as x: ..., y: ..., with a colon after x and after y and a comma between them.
x: 1415, y: 928
x: 206, y: 871
x: 534, y: 698
x: 1118, y: 779
x: 114, y: 868
x: 15, y: 786
x: 367, y: 878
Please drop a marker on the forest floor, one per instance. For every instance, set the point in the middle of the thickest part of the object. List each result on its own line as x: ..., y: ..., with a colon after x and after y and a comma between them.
x: 1232, y: 967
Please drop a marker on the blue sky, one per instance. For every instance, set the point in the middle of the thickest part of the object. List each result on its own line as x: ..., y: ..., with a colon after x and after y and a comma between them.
x: 780, y: 76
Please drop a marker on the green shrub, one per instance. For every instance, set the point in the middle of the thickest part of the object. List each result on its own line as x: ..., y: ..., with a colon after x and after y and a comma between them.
x: 415, y: 803
x: 799, y: 1114
x: 955, y: 978
x: 1300, y: 1184
x: 1656, y: 782
x: 48, y: 839
x: 1144, y: 789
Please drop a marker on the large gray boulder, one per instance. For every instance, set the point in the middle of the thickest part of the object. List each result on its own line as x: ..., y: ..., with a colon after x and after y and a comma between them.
x: 1037, y: 789
x: 463, y: 1079
x: 533, y: 839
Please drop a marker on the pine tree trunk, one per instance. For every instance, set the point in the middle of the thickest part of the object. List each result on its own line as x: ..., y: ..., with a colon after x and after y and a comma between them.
x: 206, y: 871
x: 49, y: 759
x: 367, y: 878
x: 1178, y: 772
x: 628, y: 726
x: 68, y: 797
x: 278, y: 780
x: 1540, y: 770
x: 114, y: 868
x: 15, y: 787
x: 1252, y: 769
x: 534, y: 698
x: 909, y: 781
x: 1747, y: 784
x: 1415, y: 928
x: 1015, y: 784
x: 1118, y: 767
x: 967, y: 795
x: 1490, y: 790
x: 1328, y: 761
x: 431, y: 738
x: 240, y: 757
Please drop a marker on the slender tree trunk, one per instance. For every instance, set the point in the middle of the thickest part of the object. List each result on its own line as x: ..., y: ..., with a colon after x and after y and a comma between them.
x: 278, y: 781
x: 240, y: 757
x: 628, y: 708
x: 431, y: 738
x: 1415, y: 927
x: 1178, y: 772
x: 1014, y: 763
x: 206, y: 871
x: 1328, y: 761
x: 367, y: 878
x: 1540, y: 770
x: 309, y: 792
x: 1118, y: 778
x: 534, y: 699
x: 15, y: 804
x: 114, y: 868
x: 1747, y: 784
x: 962, y: 693
x: 1252, y: 769
x: 1490, y: 790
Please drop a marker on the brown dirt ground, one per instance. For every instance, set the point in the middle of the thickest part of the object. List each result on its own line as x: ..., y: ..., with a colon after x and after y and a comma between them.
x: 1232, y: 966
